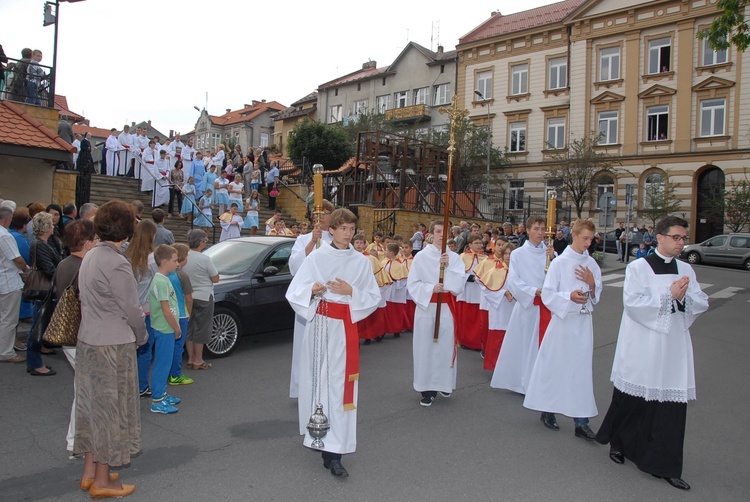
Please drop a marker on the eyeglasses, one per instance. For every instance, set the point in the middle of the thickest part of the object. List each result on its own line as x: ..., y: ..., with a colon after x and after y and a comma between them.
x: 676, y: 237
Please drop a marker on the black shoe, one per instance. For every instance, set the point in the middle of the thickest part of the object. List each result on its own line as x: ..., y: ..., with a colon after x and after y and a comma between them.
x: 427, y: 400
x: 145, y: 393
x: 481, y: 353
x: 676, y: 482
x: 585, y: 432
x: 337, y: 469
x: 367, y: 342
x: 616, y: 456
x: 396, y: 335
x: 549, y: 421
x: 445, y: 394
x: 380, y: 338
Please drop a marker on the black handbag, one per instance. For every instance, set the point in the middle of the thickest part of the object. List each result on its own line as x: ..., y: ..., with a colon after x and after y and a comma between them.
x: 46, y: 310
x: 36, y: 284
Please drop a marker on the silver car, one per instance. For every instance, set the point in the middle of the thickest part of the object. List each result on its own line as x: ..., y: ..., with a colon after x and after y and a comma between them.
x: 726, y: 249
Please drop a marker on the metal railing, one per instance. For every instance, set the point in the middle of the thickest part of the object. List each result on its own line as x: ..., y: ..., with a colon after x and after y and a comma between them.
x: 28, y: 87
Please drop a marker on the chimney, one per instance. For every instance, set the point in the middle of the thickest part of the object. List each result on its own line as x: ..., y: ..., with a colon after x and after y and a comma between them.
x: 495, y: 13
x: 440, y: 49
x: 132, y: 124
x: 370, y: 65
x: 256, y: 102
x: 228, y: 110
x: 171, y: 133
x: 149, y: 123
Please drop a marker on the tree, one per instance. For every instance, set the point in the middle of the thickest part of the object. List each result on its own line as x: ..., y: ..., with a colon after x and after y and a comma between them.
x: 659, y: 198
x: 320, y: 143
x: 730, y: 28
x: 577, y: 167
x: 737, y: 205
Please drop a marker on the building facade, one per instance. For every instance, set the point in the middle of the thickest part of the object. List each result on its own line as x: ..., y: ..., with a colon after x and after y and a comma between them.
x: 408, y: 92
x: 305, y: 108
x: 633, y: 74
x: 251, y: 126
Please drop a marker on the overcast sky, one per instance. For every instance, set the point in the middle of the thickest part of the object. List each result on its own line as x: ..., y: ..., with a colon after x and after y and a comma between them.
x: 122, y: 61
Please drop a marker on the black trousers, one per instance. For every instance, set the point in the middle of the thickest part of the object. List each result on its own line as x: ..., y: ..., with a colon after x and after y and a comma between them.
x: 173, y: 192
x: 328, y: 456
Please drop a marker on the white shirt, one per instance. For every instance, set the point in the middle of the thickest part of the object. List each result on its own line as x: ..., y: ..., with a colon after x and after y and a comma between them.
x: 10, y: 278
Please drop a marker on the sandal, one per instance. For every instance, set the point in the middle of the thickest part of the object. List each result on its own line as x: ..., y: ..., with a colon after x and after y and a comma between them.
x: 202, y: 366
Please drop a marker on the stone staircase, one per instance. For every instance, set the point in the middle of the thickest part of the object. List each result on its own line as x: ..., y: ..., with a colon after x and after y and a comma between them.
x: 106, y: 188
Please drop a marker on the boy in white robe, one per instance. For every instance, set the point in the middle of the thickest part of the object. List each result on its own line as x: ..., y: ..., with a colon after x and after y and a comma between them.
x: 653, y: 371
x: 435, y: 364
x: 231, y: 223
x: 148, y: 171
x: 111, y: 145
x: 562, y: 379
x: 303, y: 246
x: 161, y: 185
x: 333, y: 289
x: 522, y: 338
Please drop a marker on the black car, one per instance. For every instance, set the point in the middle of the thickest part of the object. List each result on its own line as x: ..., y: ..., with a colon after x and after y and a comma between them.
x: 249, y: 298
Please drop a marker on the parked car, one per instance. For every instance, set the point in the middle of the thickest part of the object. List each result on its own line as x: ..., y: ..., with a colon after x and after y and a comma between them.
x: 249, y: 298
x: 634, y: 241
x: 726, y: 249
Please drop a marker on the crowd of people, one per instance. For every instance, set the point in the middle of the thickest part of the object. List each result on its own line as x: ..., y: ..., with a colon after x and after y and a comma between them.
x: 146, y: 302
x: 196, y: 182
x: 24, y: 80
x: 525, y: 305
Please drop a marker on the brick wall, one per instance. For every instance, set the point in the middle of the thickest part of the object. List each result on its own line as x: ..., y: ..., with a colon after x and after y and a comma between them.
x: 64, y: 187
x: 292, y: 205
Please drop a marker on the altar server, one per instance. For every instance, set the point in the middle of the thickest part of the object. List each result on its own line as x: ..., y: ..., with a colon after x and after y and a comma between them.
x: 562, y: 379
x: 333, y: 289
x: 435, y: 363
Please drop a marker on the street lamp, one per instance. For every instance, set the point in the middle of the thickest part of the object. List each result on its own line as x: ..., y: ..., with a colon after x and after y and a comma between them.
x: 489, y: 137
x: 56, y: 22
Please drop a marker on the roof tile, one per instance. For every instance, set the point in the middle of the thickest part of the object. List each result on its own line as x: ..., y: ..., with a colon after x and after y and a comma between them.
x: 20, y: 128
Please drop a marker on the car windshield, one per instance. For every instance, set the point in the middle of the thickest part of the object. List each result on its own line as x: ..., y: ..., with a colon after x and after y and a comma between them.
x: 233, y: 257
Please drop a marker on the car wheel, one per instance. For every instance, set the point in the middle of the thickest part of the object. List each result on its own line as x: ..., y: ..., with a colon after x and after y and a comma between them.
x: 225, y: 335
x: 694, y: 258
x: 747, y: 264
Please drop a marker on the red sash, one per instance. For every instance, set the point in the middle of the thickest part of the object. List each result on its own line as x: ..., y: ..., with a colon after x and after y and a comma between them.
x: 450, y: 299
x: 341, y: 311
x: 545, y: 316
x: 150, y: 162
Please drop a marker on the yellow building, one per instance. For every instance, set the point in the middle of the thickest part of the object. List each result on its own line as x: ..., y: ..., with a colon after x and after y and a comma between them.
x: 285, y: 120
x: 633, y: 72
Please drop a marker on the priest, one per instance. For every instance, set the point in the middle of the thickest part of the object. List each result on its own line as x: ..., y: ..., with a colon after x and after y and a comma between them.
x: 653, y: 372
x: 303, y: 246
x: 562, y: 379
x: 435, y: 360
x: 529, y: 317
x: 333, y: 289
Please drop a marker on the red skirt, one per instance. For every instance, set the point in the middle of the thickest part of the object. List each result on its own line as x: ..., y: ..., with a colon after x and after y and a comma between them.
x: 395, y: 318
x: 411, y: 307
x: 372, y: 326
x: 492, y: 348
x: 469, y: 327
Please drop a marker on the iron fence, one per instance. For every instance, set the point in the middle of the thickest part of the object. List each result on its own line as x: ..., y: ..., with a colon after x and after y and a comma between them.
x: 28, y: 82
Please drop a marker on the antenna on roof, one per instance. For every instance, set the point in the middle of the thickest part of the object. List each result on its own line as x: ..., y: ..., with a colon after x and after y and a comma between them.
x: 438, y: 32
x: 206, y: 107
x: 432, y: 32
x: 407, y: 35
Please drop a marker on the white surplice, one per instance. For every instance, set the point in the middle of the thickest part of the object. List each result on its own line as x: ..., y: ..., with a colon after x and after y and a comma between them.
x: 562, y: 379
x: 161, y: 185
x: 295, y: 262
x: 434, y: 363
x: 111, y: 145
x: 229, y: 231
x: 148, y: 169
x: 322, y: 265
x: 521, y: 343
x: 654, y: 355
x: 125, y: 141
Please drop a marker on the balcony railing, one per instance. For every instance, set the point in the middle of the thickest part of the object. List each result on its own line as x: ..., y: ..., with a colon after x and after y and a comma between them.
x: 27, y: 86
x: 415, y: 112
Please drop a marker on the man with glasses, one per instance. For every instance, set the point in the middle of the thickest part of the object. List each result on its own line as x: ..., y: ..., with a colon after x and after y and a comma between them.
x: 653, y: 372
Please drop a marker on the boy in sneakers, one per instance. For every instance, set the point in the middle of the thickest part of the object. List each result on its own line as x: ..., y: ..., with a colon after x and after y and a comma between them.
x: 184, y: 291
x: 166, y: 328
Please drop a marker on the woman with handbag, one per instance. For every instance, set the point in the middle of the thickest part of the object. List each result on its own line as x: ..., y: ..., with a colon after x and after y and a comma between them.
x: 44, y: 261
x: 80, y: 238
x: 108, y: 420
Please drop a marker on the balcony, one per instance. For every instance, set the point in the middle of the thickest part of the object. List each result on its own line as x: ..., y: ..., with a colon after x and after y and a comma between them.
x: 415, y: 113
x: 21, y: 87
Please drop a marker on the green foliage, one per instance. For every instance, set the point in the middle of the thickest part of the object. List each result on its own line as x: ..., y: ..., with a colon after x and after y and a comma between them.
x: 366, y: 122
x: 730, y: 28
x: 320, y: 143
x: 659, y: 198
x: 577, y: 167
